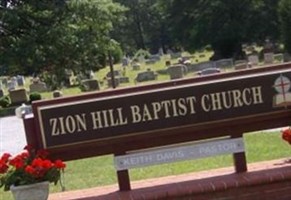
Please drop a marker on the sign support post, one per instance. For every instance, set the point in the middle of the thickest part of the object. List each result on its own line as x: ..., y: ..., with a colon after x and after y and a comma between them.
x: 239, y: 159
x: 123, y: 178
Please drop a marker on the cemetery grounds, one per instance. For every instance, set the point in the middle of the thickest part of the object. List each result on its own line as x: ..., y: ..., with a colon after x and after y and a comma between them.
x: 99, y: 171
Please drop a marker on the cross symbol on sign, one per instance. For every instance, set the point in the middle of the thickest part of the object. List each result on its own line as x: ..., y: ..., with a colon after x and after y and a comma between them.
x: 282, y: 85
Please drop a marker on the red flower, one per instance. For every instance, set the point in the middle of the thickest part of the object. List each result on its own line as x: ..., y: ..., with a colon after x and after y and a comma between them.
x: 3, y: 167
x: 37, y: 162
x: 5, y: 157
x: 286, y: 135
x: 47, y: 164
x: 29, y: 166
x: 60, y: 164
x: 17, y: 162
x: 30, y: 170
x: 42, y: 153
x: 24, y: 155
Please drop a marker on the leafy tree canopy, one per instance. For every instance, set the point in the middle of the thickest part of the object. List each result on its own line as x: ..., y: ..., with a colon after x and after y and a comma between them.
x: 54, y: 35
x: 224, y: 24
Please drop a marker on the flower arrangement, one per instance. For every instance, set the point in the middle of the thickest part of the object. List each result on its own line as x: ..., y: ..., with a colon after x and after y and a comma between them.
x: 286, y: 135
x: 29, y: 167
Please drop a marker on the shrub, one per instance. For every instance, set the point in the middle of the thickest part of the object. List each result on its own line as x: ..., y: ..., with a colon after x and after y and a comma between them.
x: 116, y: 54
x: 34, y: 96
x: 5, y: 101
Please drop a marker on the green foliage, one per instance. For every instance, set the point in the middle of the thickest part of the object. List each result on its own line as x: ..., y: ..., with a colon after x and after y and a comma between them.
x: 49, y: 36
x: 5, y: 101
x: 141, y: 52
x: 285, y: 17
x: 144, y: 27
x: 34, y: 96
x: 226, y: 25
x: 117, y: 54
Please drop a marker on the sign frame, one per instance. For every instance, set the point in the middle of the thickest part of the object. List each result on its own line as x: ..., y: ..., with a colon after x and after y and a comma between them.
x: 233, y: 127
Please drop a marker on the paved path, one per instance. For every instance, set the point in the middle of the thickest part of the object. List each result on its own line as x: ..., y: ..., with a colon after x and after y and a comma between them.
x: 12, y: 135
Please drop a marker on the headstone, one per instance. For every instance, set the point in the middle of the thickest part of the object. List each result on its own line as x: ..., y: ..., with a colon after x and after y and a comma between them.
x: 20, y: 81
x: 11, y: 85
x: 269, y: 58
x: 238, y: 62
x: 146, y: 76
x: 241, y: 66
x: 201, y: 66
x: 136, y: 66
x: 23, y: 110
x: 91, y: 74
x: 57, y: 94
x: 116, y: 73
x: 141, y: 59
x: 155, y: 58
x: 177, y: 71
x: 161, y: 51
x: 124, y: 79
x: 67, y: 78
x: 18, y: 96
x: 14, y: 80
x: 279, y: 58
x: 90, y: 85
x: 169, y: 51
x: 253, y: 59
x: 125, y: 61
x: 224, y: 63
x: 116, y: 81
x: 38, y: 87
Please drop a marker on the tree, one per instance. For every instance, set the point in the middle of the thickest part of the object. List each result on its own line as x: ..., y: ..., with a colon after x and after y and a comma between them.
x: 285, y: 17
x: 144, y: 27
x: 50, y: 36
x: 224, y: 24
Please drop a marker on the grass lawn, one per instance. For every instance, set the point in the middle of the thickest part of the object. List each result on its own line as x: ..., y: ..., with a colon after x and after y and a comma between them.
x: 99, y: 171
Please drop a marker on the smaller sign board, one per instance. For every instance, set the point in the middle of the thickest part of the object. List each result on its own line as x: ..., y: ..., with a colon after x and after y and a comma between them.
x: 180, y: 153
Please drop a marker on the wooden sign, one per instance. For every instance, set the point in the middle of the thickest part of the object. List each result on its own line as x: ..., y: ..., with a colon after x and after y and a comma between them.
x: 147, y: 112
x: 180, y: 153
x: 169, y: 113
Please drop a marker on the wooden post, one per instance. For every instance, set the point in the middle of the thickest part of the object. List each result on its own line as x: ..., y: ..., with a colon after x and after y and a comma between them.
x: 239, y: 159
x: 123, y: 178
x: 111, y: 70
x: 30, y: 132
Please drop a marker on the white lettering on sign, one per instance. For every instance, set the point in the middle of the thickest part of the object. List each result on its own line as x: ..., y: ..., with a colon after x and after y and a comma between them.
x: 68, y: 124
x: 154, y: 111
x: 231, y: 99
x: 166, y: 155
x: 164, y: 109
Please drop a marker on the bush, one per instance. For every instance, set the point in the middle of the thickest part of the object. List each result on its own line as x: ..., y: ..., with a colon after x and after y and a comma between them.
x: 5, y: 101
x: 116, y: 54
x: 34, y: 96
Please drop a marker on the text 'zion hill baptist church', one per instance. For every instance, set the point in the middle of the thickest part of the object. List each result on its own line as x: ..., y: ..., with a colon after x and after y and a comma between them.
x: 164, y: 109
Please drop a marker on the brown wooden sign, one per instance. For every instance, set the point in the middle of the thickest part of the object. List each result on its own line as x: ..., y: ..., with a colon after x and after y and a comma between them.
x: 173, y: 112
x: 77, y: 122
